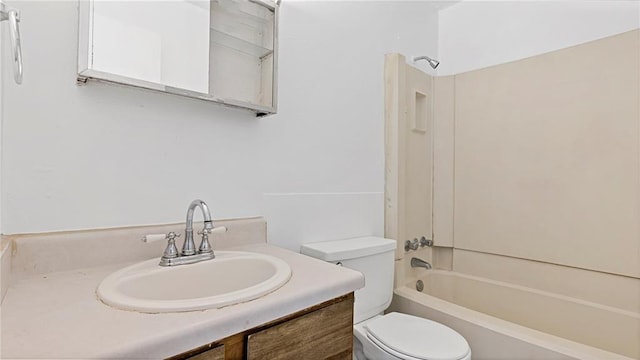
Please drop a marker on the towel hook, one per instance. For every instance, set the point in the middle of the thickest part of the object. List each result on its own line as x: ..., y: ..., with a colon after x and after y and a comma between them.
x: 13, y: 16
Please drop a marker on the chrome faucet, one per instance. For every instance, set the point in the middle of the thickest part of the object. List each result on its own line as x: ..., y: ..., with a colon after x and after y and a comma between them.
x: 189, y: 247
x: 415, y: 262
x: 189, y: 254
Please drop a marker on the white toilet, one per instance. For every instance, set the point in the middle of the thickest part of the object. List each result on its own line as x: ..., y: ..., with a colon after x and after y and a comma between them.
x: 392, y: 336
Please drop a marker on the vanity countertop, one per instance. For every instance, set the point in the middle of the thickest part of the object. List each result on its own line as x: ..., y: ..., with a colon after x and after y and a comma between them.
x: 58, y: 315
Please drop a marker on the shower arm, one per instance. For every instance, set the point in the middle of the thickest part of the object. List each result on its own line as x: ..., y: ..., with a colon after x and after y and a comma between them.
x: 432, y: 62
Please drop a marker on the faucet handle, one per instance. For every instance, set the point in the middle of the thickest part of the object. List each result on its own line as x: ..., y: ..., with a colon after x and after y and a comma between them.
x: 215, y: 230
x: 157, y: 237
x: 171, y: 250
x: 411, y: 245
x: 425, y: 242
x: 153, y: 237
x: 205, y: 246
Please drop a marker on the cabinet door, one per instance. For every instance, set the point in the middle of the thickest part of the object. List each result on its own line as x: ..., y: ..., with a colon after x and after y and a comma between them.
x: 160, y: 42
x: 326, y: 333
x: 216, y: 353
x: 243, y: 44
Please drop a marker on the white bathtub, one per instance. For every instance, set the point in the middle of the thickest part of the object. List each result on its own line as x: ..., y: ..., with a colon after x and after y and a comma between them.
x: 505, y: 321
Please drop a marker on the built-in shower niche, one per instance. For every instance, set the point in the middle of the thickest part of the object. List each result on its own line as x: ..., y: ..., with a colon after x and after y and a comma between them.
x: 422, y: 110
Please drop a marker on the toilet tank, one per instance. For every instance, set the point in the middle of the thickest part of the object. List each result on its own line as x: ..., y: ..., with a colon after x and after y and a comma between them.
x: 373, y: 257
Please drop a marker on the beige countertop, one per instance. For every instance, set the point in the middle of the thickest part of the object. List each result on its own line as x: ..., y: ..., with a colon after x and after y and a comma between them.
x: 57, y: 315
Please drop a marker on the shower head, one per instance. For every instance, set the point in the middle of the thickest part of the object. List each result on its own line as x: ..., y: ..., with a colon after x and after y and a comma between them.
x: 432, y: 62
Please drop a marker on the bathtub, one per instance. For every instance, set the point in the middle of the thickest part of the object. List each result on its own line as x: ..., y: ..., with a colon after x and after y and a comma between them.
x: 505, y: 321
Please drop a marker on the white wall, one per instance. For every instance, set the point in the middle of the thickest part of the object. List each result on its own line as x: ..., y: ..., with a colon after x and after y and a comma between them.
x: 329, y: 138
x: 106, y: 156
x: 477, y: 34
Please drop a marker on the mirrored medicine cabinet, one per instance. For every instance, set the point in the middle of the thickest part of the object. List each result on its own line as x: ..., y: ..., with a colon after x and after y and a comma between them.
x: 223, y: 51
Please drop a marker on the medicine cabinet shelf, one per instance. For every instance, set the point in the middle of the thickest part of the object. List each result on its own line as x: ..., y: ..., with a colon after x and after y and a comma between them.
x: 230, y: 41
x: 241, y: 11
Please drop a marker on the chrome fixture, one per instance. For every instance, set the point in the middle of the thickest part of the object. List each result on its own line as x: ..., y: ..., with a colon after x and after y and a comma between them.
x: 419, y: 285
x: 415, y: 262
x: 189, y: 247
x: 425, y: 242
x: 415, y: 244
x: 189, y: 254
x: 411, y: 245
x: 13, y: 16
x: 432, y: 62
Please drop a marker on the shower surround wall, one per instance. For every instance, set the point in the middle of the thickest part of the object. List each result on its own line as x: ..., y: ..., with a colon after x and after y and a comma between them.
x: 547, y: 171
x: 536, y: 161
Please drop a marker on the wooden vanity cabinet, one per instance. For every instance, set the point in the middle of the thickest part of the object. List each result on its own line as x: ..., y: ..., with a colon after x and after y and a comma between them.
x: 217, y: 353
x: 324, y: 331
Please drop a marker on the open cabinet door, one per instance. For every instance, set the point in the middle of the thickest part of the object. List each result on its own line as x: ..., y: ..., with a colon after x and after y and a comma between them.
x: 408, y: 152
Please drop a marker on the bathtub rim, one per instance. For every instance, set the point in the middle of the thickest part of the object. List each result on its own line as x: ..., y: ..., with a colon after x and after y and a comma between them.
x: 411, y: 280
x: 552, y: 342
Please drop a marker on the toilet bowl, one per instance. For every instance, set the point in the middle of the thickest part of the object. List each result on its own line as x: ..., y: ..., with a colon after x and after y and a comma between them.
x: 392, y: 336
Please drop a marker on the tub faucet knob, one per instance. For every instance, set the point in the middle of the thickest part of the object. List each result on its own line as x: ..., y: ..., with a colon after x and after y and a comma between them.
x: 425, y: 242
x: 411, y: 245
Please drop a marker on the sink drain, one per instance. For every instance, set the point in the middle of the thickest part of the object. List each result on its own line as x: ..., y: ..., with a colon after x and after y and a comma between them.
x: 419, y: 285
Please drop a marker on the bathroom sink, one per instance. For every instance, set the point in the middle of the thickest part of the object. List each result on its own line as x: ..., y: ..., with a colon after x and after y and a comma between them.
x: 232, y: 277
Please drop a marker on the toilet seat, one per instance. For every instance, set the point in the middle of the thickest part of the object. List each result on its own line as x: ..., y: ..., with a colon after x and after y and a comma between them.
x: 396, y: 354
x: 412, y: 338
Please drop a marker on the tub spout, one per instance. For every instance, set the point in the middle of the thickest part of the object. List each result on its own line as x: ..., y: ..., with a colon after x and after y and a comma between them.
x: 415, y: 262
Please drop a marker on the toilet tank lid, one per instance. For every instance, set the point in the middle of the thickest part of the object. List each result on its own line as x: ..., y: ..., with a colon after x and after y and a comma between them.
x: 348, y: 248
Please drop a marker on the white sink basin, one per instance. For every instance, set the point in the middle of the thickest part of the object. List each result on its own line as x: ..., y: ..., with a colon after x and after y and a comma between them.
x: 232, y: 277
